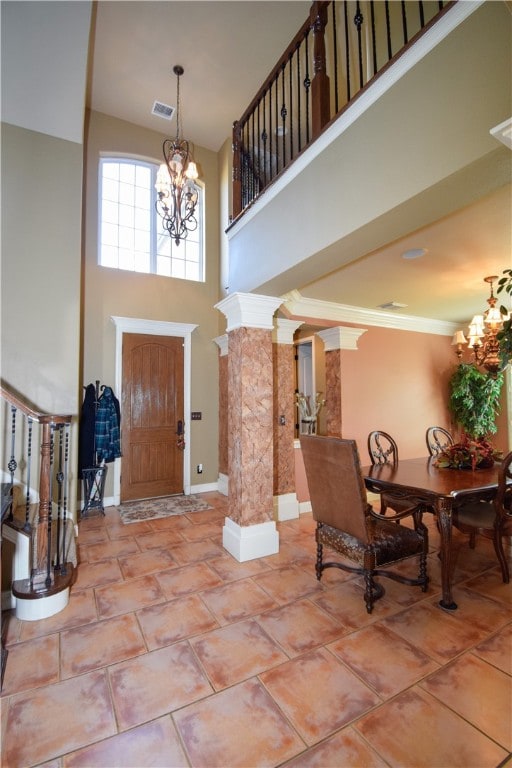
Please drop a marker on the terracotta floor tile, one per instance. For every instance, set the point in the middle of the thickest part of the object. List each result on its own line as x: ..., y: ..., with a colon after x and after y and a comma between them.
x: 434, y: 631
x: 79, y: 711
x: 491, y: 584
x: 80, y: 610
x: 92, y: 553
x: 216, y: 514
x: 171, y: 621
x: 173, y: 523
x: 97, y: 574
x: 241, y: 727
x: 187, y: 579
x: 146, y: 746
x: 480, y: 611
x: 237, y: 652
x: 346, y: 749
x: 165, y: 539
x: 287, y: 584
x: 497, y: 650
x: 21, y: 673
x: 92, y: 535
x: 299, y: 687
x: 204, y: 531
x: 300, y: 627
x: 416, y: 724
x: 478, y: 692
x: 289, y: 553
x: 237, y: 600
x: 384, y: 660
x: 120, y: 530
x: 192, y: 551
x: 345, y: 603
x: 142, y: 563
x: 230, y: 569
x: 97, y: 645
x: 128, y: 596
x: 155, y: 684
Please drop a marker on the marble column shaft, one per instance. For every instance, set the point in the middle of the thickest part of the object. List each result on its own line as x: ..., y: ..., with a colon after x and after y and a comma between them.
x: 284, y: 451
x: 250, y: 410
x: 223, y: 414
x: 333, y: 392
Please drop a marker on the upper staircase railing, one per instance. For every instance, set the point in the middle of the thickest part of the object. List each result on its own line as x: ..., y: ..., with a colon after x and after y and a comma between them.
x: 339, y: 50
x: 45, y: 517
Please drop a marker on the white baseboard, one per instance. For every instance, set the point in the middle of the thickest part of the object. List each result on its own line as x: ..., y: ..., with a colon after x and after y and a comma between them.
x: 203, y: 487
x: 250, y: 541
x: 304, y: 506
x: 286, y: 506
x: 223, y: 484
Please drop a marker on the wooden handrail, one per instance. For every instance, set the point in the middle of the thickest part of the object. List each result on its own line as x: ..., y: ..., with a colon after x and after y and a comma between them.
x: 43, y: 418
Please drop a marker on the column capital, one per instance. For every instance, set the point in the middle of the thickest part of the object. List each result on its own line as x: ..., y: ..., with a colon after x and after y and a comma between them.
x: 284, y: 330
x: 222, y: 343
x: 340, y: 337
x: 249, y: 310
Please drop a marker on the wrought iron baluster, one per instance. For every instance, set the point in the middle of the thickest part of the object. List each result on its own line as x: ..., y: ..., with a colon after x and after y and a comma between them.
x: 264, y: 136
x: 299, y: 115
x: 404, y: 23
x: 422, y: 14
x: 347, y: 50
x: 388, y: 28
x: 358, y: 21
x: 12, y: 465
x: 335, y: 57
x: 30, y: 425
x: 59, y: 476
x: 307, y: 88
x: 64, y: 569
x: 277, y: 119
x: 374, y: 39
x: 258, y: 133
x: 271, y: 132
x: 283, y: 113
x: 291, y: 104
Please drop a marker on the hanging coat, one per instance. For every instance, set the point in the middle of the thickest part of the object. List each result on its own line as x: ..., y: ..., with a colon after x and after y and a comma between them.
x: 87, y: 427
x: 108, y: 427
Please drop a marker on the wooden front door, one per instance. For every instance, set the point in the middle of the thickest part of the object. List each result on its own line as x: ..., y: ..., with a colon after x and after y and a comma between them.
x: 151, y: 416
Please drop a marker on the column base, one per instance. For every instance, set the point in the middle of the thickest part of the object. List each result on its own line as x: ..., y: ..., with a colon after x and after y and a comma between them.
x: 286, y: 506
x: 222, y: 484
x: 250, y: 541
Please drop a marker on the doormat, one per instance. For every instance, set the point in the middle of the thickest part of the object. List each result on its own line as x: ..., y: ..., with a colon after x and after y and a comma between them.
x: 154, y: 509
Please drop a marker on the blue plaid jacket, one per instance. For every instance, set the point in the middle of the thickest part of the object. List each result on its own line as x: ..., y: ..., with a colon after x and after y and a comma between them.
x: 107, y: 429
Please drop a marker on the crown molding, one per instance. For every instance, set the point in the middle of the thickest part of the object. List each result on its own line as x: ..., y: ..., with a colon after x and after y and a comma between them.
x: 297, y: 306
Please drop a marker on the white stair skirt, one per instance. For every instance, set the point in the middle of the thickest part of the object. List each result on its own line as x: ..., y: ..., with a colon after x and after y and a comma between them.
x: 286, y: 506
x: 250, y: 541
x: 20, y: 568
x: 41, y: 608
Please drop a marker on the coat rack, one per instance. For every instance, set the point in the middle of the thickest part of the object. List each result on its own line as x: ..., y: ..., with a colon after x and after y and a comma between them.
x: 93, y: 478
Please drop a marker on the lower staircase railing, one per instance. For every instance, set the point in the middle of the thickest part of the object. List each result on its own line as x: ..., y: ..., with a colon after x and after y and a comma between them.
x: 38, y: 514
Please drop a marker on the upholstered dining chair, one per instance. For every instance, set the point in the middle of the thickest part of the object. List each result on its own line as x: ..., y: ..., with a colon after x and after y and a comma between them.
x: 346, y: 523
x: 491, y: 519
x: 438, y: 439
x: 383, y: 449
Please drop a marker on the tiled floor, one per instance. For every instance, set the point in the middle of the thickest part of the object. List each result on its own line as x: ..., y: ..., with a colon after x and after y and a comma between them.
x: 171, y: 653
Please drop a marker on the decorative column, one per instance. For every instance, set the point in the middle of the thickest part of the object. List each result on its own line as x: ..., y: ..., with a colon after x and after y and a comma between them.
x: 222, y: 484
x: 250, y: 530
x: 286, y: 505
x: 336, y: 339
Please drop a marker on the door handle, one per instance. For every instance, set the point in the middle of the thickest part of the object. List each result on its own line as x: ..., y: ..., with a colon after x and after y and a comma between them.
x: 180, y: 428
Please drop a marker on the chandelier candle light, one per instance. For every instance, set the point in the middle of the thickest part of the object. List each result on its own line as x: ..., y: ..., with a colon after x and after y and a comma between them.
x: 483, y: 331
x: 175, y: 181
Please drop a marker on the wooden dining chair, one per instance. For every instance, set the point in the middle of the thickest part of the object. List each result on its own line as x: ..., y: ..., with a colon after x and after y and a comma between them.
x: 383, y: 449
x: 438, y: 439
x: 491, y: 519
x: 347, y: 524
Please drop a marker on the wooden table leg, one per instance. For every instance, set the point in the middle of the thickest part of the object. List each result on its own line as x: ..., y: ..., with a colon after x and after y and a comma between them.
x: 444, y: 517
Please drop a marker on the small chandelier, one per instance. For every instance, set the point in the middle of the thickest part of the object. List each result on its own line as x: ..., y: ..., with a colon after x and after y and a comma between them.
x: 177, y: 192
x: 482, y: 336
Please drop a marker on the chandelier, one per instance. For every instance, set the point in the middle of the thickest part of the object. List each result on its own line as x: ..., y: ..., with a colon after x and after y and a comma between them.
x: 482, y: 337
x: 177, y: 192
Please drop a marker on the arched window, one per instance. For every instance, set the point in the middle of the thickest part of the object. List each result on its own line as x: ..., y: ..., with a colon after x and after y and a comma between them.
x: 130, y: 230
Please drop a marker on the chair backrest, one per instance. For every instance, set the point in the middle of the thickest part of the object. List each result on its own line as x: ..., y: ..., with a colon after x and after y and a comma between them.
x: 335, y: 481
x: 382, y: 448
x: 438, y: 439
x: 503, y: 498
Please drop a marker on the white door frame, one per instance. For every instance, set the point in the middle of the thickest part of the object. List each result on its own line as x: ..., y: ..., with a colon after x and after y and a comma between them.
x: 156, y: 328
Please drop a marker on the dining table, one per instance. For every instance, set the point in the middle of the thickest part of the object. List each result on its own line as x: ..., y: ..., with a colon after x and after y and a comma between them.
x: 439, y: 490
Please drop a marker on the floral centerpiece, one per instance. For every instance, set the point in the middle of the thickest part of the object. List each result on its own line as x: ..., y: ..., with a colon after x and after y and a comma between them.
x: 469, y: 454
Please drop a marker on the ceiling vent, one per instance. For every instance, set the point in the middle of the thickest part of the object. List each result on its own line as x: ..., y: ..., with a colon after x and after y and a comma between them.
x: 163, y: 110
x: 392, y: 305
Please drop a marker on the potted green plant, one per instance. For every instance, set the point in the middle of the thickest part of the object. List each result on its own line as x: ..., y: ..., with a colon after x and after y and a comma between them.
x: 474, y: 400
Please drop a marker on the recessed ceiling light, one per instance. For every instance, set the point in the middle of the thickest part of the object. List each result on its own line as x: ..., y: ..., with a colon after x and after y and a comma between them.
x: 414, y: 253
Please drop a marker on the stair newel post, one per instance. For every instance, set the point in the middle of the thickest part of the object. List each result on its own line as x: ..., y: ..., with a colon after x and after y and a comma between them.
x: 320, y: 98
x: 237, y: 171
x: 45, y: 502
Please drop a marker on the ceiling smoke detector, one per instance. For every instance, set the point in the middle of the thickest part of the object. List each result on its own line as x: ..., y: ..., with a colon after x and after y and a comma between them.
x: 163, y: 110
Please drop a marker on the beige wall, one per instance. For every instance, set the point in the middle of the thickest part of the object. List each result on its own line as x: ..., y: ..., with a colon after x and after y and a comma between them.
x: 110, y: 292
